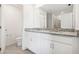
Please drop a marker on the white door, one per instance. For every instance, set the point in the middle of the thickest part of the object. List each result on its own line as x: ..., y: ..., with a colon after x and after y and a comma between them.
x: 11, y: 23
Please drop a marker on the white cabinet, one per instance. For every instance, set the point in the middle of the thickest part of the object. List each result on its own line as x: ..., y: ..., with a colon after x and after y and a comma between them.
x: 53, y: 44
x: 34, y: 43
x: 37, y: 43
x: 41, y: 43
x: 25, y: 40
x: 46, y: 46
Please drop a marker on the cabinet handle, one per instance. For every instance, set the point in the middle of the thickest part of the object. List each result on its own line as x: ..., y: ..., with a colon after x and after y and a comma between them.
x: 52, y: 46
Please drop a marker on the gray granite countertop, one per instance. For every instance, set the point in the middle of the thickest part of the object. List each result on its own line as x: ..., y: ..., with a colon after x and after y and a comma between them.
x: 47, y: 31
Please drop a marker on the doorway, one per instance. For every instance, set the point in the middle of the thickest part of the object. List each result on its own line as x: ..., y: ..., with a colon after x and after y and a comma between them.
x: 11, y: 22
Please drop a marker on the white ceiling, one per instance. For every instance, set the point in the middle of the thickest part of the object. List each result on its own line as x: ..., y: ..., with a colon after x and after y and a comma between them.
x: 57, y: 8
x: 17, y: 5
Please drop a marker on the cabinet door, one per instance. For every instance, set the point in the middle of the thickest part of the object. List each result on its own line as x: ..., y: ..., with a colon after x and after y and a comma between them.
x: 60, y: 48
x: 35, y: 45
x: 34, y: 42
x: 26, y: 40
x: 40, y: 44
x: 46, y: 46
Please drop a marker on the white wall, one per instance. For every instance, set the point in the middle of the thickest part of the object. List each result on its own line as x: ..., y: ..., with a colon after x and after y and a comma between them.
x: 28, y: 16
x: 13, y: 21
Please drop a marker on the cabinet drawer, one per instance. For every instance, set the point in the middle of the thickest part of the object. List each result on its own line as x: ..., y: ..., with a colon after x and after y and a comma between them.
x: 59, y: 38
x: 35, y: 35
x: 63, y: 39
x: 46, y: 36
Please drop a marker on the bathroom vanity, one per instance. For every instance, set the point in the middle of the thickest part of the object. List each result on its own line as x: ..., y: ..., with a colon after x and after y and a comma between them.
x: 46, y: 41
x: 50, y: 42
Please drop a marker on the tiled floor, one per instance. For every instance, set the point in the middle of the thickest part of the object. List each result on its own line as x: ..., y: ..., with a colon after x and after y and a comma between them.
x: 14, y: 49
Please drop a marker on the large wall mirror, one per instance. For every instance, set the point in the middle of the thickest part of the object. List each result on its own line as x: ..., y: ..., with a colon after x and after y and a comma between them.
x: 59, y: 16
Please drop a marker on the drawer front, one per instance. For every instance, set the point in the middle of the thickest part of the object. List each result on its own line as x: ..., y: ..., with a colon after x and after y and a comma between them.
x: 59, y: 38
x: 63, y: 39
